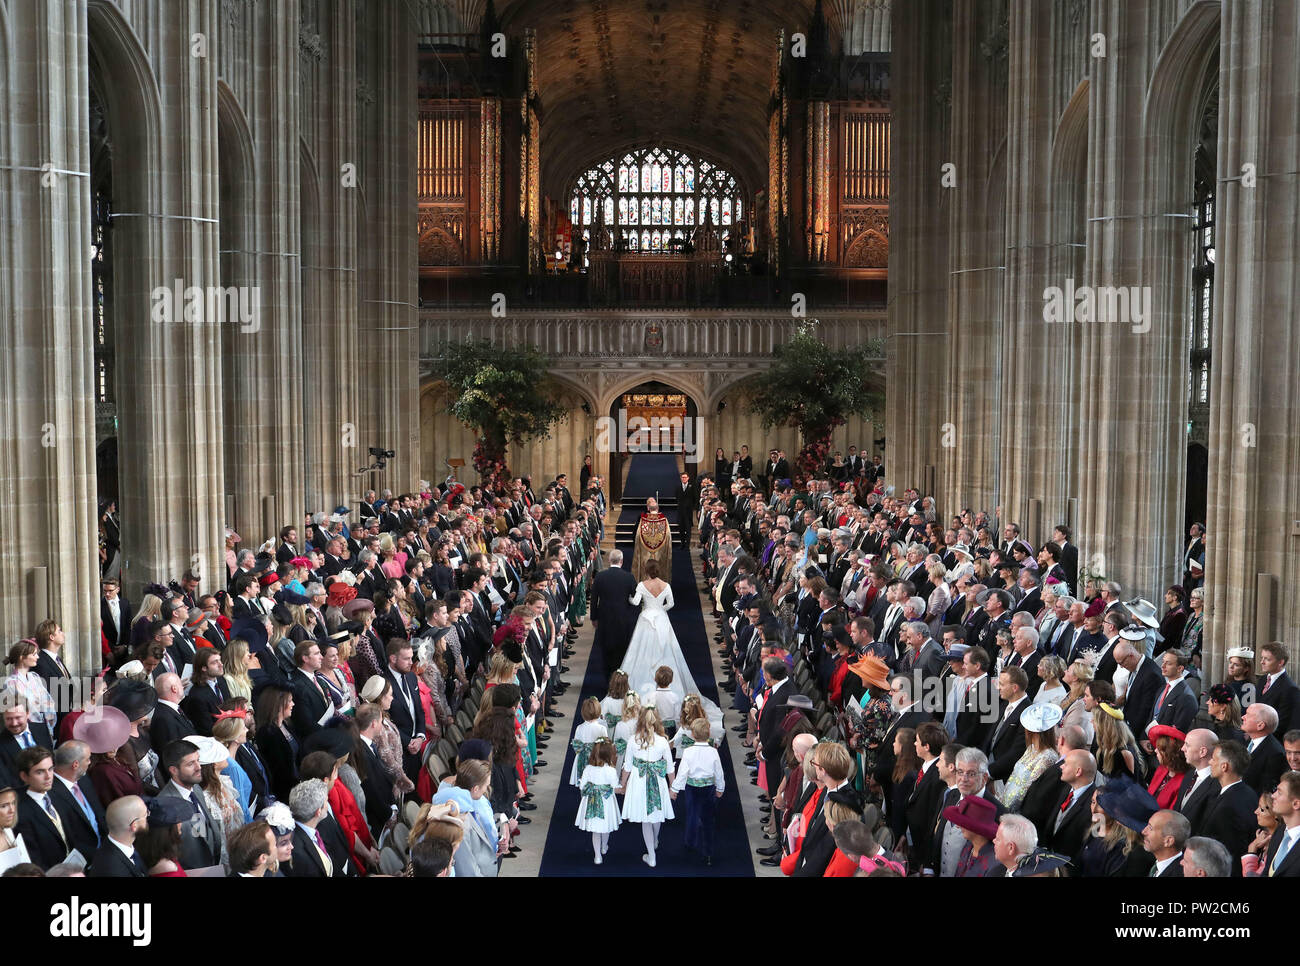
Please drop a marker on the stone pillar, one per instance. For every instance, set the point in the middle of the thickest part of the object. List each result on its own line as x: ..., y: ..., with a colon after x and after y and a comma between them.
x: 388, y: 320
x: 1254, y: 398
x: 1045, y: 229
x: 162, y: 120
x: 335, y: 446
x: 918, y: 253
x: 971, y: 418
x: 1133, y: 376
x: 261, y: 253
x: 47, y: 413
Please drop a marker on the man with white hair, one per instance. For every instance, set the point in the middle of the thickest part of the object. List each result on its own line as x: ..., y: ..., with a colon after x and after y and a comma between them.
x: 1206, y: 858
x: 1057, y: 632
x: 803, y: 790
x: 972, y: 769
x: 1267, y: 756
x: 1025, y: 655
x: 309, y: 804
x: 1016, y: 839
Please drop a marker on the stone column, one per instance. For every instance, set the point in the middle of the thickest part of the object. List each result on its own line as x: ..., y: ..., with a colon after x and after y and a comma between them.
x: 971, y: 418
x: 47, y: 414
x: 1254, y: 398
x: 1132, y: 402
x: 162, y: 119
x: 261, y: 252
x: 334, y: 444
x: 918, y: 255
x: 388, y: 284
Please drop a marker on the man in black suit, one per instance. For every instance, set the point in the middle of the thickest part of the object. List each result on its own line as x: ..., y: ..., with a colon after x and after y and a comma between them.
x: 1006, y: 742
x: 75, y: 798
x: 780, y: 689
x: 117, y: 858
x: 200, y: 836
x: 833, y: 764
x: 1230, y: 816
x: 310, y: 703
x: 1044, y: 796
x: 612, y: 616
x: 288, y: 545
x: 1144, y: 683
x: 1176, y: 706
x: 20, y: 733
x: 1283, y: 856
x: 208, y: 691
x: 378, y: 789
x: 115, y: 614
x: 1267, y: 758
x: 979, y: 708
x: 1165, y: 835
x: 1071, y: 820
x: 688, y: 501
x: 1199, y: 786
x: 169, y: 723
x: 1069, y: 555
x: 406, y: 711
x: 49, y: 662
x: 312, y: 858
x: 1026, y: 655
x: 927, y: 792
x: 922, y: 656
x: 39, y: 822
x: 907, y: 713
x: 1275, y: 687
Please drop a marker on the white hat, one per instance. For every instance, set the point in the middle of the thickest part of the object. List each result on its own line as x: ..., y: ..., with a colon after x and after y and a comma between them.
x: 1244, y: 653
x: 1040, y: 717
x: 279, y: 818
x: 1133, y: 632
x: 1143, y: 610
x: 211, y: 750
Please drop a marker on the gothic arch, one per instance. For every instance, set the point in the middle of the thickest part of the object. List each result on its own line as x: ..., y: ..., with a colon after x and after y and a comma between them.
x: 692, y: 385
x: 439, y: 247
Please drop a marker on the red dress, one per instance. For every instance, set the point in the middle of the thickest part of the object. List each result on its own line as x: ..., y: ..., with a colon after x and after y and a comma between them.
x: 351, y: 821
x: 791, y: 861
x: 1164, y: 786
x: 840, y: 866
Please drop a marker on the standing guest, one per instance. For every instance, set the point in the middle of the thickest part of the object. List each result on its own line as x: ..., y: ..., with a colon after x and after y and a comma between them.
x: 324, y: 765
x: 74, y: 797
x: 388, y: 740
x: 125, y: 819
x: 200, y: 838
x: 1165, y: 836
x: 277, y: 745
x: 208, y: 690
x: 49, y: 664
x: 169, y: 722
x: 978, y: 820
x: 20, y: 732
x: 1206, y: 858
x: 238, y: 663
x: 1230, y: 816
x: 1241, y: 673
x: 252, y: 851
x: 162, y: 842
x: 309, y: 805
x: 1276, y: 689
x: 9, y: 838
x: 1191, y: 640
x: 832, y: 766
x: 23, y: 682
x: 1051, y: 669
x: 1175, y: 619
x: 1039, y: 723
x: 124, y: 762
x: 1172, y: 767
x: 39, y: 822
x: 231, y: 731
x: 1120, y: 811
x: 405, y: 710
x: 479, y: 851
x: 1222, y: 714
x: 1267, y: 757
x: 218, y: 791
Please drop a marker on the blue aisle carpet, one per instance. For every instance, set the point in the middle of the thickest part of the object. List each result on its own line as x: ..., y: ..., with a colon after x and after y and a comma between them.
x: 568, y: 849
x: 651, y: 473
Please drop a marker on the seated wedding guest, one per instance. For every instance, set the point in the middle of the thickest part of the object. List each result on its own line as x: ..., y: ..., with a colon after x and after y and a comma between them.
x: 1039, y: 722
x: 201, y: 838
x: 1165, y: 835
x: 9, y: 838
x: 1281, y: 858
x: 131, y: 768
x: 335, y: 746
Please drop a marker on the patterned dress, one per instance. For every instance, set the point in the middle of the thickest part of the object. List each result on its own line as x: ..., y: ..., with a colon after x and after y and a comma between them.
x: 1028, y: 768
x: 870, y: 729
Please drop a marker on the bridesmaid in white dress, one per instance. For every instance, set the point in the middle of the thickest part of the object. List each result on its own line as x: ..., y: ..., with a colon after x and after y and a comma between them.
x: 647, y: 774
x: 625, y: 730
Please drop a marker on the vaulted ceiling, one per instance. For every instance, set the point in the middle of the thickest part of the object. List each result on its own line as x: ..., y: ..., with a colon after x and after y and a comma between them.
x: 691, y: 73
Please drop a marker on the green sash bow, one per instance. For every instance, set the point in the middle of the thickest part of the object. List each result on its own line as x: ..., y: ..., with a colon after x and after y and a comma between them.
x: 611, y: 720
x: 620, y: 745
x: 583, y: 748
x: 596, y: 795
x: 649, y: 771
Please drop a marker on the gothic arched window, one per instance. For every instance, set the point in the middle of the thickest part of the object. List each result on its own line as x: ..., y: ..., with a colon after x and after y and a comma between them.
x: 657, y: 187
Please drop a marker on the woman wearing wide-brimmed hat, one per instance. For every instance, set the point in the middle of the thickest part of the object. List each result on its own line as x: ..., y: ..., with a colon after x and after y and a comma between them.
x: 870, y: 727
x: 1039, y: 722
x: 107, y: 731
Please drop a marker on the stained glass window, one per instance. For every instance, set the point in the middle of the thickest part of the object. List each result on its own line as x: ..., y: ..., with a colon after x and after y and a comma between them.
x: 657, y: 187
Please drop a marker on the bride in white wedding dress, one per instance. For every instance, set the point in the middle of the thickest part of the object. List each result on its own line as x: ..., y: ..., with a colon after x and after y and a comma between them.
x: 654, y: 645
